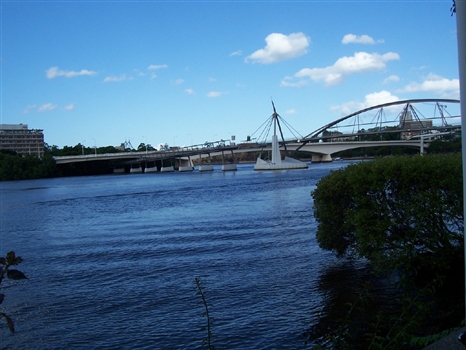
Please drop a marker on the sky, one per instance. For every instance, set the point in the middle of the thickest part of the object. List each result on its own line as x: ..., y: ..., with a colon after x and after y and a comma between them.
x: 182, y: 73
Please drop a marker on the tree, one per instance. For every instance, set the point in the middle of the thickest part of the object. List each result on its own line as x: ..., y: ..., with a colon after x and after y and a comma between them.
x: 405, y: 216
x: 398, y: 212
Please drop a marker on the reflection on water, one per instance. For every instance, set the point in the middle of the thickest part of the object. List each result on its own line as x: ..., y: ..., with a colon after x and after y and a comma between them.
x: 352, y: 296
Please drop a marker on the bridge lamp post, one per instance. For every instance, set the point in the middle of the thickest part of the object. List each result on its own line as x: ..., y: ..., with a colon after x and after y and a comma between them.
x: 95, y: 148
x: 82, y: 146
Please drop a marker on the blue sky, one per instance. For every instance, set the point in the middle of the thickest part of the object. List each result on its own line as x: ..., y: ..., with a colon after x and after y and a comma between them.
x: 185, y: 72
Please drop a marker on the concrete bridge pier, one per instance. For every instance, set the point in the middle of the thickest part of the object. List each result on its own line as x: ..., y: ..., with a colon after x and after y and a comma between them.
x: 135, y: 168
x: 326, y: 158
x: 185, y: 165
x: 321, y: 158
x: 228, y: 167
x: 206, y: 167
x: 151, y: 169
x: 167, y: 169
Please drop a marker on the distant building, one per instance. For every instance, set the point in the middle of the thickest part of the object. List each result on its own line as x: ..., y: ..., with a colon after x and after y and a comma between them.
x: 412, y: 127
x: 18, y: 138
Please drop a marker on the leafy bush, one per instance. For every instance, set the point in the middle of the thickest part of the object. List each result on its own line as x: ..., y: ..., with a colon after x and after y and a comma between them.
x: 398, y: 212
x: 405, y: 216
x: 6, y: 271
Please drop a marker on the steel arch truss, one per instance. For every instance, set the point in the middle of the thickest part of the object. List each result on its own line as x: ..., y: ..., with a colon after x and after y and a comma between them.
x: 374, y: 119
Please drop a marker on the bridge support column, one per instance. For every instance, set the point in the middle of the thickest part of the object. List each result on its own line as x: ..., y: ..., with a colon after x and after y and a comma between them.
x: 326, y: 158
x: 185, y: 165
x: 228, y: 167
x: 167, y: 169
x: 316, y: 158
x: 205, y: 167
x: 136, y: 169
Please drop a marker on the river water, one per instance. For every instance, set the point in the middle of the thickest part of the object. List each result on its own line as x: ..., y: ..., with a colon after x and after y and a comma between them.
x: 111, y: 260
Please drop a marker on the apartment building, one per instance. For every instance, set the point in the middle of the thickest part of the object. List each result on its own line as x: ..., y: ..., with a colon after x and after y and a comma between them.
x: 18, y: 138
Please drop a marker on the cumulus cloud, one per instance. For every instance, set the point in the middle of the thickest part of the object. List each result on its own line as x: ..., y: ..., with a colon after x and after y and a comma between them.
x: 69, y: 107
x: 370, y: 100
x: 236, y: 53
x: 213, y: 94
x: 189, y: 91
x: 280, y: 47
x: 434, y: 84
x: 47, y: 107
x: 115, y: 78
x: 361, y: 39
x: 54, y: 72
x: 360, y: 62
x: 157, y: 66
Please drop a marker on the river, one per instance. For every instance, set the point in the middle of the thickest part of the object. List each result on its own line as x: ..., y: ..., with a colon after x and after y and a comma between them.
x: 111, y: 260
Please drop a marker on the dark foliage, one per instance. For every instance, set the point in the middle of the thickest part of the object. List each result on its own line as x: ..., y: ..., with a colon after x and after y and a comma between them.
x: 11, y: 273
x: 404, y: 215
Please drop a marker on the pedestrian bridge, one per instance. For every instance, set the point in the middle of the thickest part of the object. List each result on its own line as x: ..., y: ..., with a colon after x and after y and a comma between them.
x: 399, y: 123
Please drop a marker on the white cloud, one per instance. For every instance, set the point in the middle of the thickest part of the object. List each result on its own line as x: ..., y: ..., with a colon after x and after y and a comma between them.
x: 69, y: 107
x: 362, y: 39
x: 236, y: 53
x: 115, y: 78
x: 47, y: 107
x: 29, y: 108
x: 435, y: 84
x: 360, y: 62
x: 54, y: 72
x: 138, y: 72
x: 373, y: 99
x: 157, y: 66
x: 280, y: 47
x: 288, y: 82
x: 214, y: 94
x: 391, y: 78
x: 290, y: 111
x: 177, y: 82
x: 189, y: 91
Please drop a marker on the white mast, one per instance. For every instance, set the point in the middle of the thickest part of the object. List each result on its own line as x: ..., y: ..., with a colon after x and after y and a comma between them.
x: 276, y: 162
x: 276, y: 157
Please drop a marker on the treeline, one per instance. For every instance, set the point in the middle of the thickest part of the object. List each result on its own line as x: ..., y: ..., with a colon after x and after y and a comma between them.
x: 80, y: 149
x: 16, y: 167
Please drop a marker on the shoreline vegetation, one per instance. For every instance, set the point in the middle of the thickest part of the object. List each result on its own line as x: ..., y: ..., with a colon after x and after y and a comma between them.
x: 404, y: 216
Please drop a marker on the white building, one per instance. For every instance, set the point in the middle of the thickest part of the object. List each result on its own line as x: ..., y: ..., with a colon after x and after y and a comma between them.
x: 18, y: 138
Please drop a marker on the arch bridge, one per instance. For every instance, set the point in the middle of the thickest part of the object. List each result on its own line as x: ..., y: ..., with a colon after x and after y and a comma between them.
x: 408, y: 123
